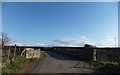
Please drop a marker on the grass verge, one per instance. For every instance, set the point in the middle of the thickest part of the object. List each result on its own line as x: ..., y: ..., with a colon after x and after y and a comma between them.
x: 15, y: 66
x: 106, y: 66
x: 19, y: 64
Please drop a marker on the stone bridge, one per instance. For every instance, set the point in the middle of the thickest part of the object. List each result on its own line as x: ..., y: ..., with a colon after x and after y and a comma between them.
x: 88, y: 52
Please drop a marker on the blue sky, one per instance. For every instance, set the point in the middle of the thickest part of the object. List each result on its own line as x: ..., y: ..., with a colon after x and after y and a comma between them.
x: 61, y: 23
x: 0, y: 16
x: 119, y: 25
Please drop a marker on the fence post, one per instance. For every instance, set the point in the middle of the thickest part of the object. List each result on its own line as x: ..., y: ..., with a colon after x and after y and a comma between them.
x: 94, y: 54
x: 14, y: 53
x: 9, y: 55
x: 19, y: 51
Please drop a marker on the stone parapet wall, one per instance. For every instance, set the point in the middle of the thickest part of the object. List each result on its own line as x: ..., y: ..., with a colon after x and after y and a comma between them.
x: 97, y: 54
x: 31, y: 53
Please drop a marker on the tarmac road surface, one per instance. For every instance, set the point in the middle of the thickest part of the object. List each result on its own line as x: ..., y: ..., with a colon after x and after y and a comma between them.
x: 57, y: 63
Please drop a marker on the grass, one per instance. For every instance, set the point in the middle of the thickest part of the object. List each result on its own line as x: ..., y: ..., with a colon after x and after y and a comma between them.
x: 15, y: 66
x: 106, y: 66
x: 19, y: 63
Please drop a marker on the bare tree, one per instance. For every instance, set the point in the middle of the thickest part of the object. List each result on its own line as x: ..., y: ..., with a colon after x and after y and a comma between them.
x: 4, y: 39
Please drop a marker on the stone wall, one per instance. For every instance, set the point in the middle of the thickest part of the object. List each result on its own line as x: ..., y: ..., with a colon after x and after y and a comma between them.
x: 31, y: 53
x: 90, y: 52
x: 110, y: 54
x: 81, y: 54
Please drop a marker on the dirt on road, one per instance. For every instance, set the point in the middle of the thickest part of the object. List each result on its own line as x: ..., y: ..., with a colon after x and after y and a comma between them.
x: 57, y: 63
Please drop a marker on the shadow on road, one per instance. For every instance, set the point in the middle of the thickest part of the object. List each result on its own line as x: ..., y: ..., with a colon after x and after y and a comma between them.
x: 80, y: 64
x: 58, y: 63
x: 66, y: 57
x: 63, y: 56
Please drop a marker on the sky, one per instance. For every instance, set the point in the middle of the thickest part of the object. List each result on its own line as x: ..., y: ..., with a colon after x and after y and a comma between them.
x: 61, y: 23
x: 0, y: 16
x: 118, y: 24
x: 60, y: 0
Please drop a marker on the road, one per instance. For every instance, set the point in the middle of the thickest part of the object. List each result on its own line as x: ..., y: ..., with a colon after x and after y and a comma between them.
x: 56, y: 63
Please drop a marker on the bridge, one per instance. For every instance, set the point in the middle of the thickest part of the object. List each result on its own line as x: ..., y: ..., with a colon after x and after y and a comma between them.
x: 66, y: 59
x: 88, y: 52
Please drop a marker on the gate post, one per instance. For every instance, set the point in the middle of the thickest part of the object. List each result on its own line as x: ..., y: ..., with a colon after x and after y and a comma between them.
x: 94, y: 54
x: 14, y: 57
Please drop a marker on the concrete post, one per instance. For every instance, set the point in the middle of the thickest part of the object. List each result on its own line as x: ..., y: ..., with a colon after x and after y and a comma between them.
x: 94, y: 55
x: 9, y: 55
x: 14, y: 53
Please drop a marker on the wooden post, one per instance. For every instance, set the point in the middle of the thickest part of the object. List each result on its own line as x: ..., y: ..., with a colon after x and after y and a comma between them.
x: 94, y: 55
x: 14, y: 53
x: 19, y: 50
x: 9, y: 55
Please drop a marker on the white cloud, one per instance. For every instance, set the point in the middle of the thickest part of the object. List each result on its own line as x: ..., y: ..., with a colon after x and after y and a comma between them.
x: 119, y: 41
x: 81, y: 41
x: 19, y: 43
x: 109, y: 42
x: 39, y: 44
x: 73, y: 42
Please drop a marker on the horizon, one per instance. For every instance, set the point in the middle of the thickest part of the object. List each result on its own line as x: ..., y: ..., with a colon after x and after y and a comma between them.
x: 31, y: 46
x: 71, y: 24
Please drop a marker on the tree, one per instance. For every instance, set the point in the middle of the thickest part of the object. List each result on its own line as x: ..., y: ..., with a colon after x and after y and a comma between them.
x: 4, y: 39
